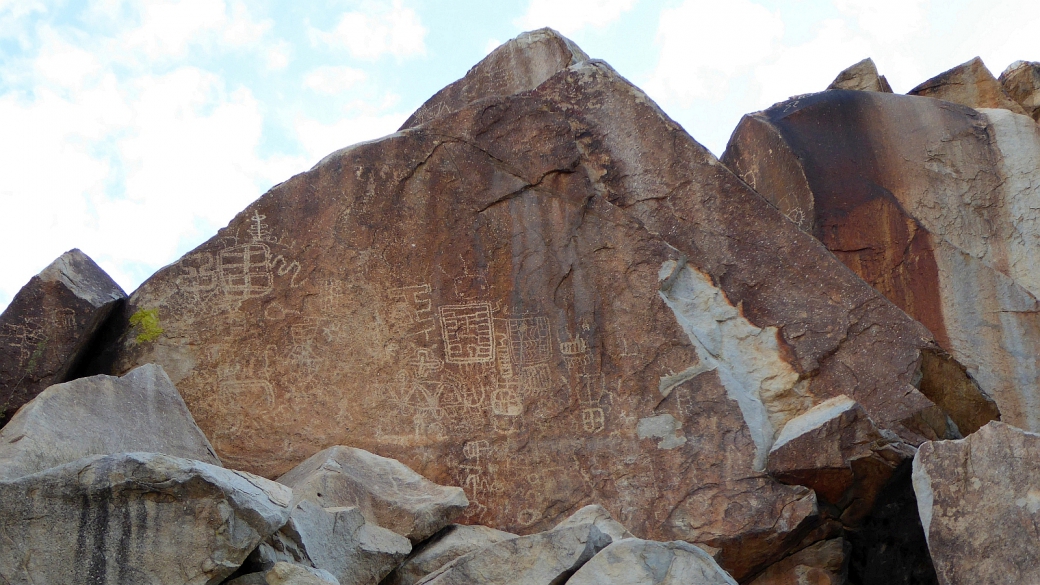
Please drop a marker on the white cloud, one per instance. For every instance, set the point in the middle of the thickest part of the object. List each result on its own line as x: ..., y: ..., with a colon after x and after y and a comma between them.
x: 574, y: 15
x: 333, y: 80
x: 376, y: 30
x: 320, y: 140
x: 278, y: 56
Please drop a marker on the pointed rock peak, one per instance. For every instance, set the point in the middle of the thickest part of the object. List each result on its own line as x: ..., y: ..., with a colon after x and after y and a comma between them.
x: 862, y: 76
x: 519, y: 65
x: 83, y: 276
x: 970, y: 84
x: 1021, y: 80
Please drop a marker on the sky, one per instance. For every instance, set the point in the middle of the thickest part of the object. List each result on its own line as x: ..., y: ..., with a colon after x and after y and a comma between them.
x: 135, y: 130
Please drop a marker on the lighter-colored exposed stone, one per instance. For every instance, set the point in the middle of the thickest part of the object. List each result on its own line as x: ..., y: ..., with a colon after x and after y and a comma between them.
x: 283, y: 573
x: 134, y: 518
x: 980, y: 505
x: 444, y: 547
x: 643, y: 562
x: 1021, y: 80
x: 862, y: 76
x: 387, y: 492
x: 970, y: 84
x: 101, y: 415
x: 599, y: 517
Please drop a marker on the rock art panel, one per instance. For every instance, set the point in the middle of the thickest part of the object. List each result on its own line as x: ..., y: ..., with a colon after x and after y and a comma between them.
x: 1021, y: 81
x: 863, y: 76
x: 970, y: 84
x: 45, y: 330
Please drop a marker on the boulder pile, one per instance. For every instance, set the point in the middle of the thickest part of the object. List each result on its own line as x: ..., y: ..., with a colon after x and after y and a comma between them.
x: 541, y: 335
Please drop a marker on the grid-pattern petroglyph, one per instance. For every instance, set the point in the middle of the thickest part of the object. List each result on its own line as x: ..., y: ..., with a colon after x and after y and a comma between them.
x: 536, y: 378
x: 469, y: 335
x: 529, y: 340
x: 505, y: 399
x: 412, y: 307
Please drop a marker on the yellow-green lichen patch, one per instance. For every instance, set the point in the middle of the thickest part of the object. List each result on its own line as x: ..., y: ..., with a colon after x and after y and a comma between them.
x: 147, y: 322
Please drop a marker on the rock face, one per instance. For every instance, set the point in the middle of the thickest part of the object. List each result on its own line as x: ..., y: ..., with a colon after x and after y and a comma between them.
x: 101, y: 415
x: 283, y: 573
x: 1021, y: 81
x: 551, y: 299
x: 980, y: 506
x: 45, y: 329
x: 823, y: 563
x: 386, y: 491
x: 970, y: 84
x: 134, y: 518
x: 937, y: 207
x: 862, y: 76
x: 337, y: 540
x: 601, y: 518
x: 545, y: 558
x: 641, y: 562
x: 444, y: 547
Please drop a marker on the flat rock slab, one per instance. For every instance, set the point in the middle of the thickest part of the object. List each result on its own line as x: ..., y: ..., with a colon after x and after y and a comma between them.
x: 546, y: 558
x: 283, y: 573
x: 862, y: 76
x: 445, y: 546
x: 48, y: 325
x: 599, y: 517
x: 386, y: 491
x: 550, y: 299
x: 970, y: 84
x: 101, y: 415
x: 642, y: 562
x: 980, y: 505
x: 336, y: 540
x: 134, y: 518
x: 1021, y: 81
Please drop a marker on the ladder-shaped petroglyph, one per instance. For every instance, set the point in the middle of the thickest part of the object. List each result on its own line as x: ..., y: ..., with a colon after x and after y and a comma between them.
x: 411, y: 308
x: 469, y: 333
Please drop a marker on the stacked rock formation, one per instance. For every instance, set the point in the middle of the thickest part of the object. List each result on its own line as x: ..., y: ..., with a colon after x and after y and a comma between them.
x: 541, y: 335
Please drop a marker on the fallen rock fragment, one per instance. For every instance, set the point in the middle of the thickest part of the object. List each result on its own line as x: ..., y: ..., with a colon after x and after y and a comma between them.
x: 643, y: 562
x: 980, y: 505
x: 101, y: 415
x: 862, y: 76
x: 546, y: 558
x: 970, y: 84
x: 386, y: 491
x: 823, y: 563
x: 283, y: 573
x: 134, y: 518
x: 599, y: 517
x: 1021, y: 81
x: 442, y: 548
x: 338, y: 540
x: 46, y: 329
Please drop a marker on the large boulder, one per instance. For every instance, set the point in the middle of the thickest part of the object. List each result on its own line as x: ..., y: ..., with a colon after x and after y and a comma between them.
x: 862, y: 76
x: 283, y: 573
x: 980, y: 505
x: 45, y: 331
x: 550, y: 299
x: 1021, y: 81
x: 823, y: 563
x: 643, y: 562
x: 386, y: 491
x: 446, y: 546
x: 101, y: 415
x: 337, y: 540
x: 970, y: 84
x: 938, y: 207
x: 134, y: 518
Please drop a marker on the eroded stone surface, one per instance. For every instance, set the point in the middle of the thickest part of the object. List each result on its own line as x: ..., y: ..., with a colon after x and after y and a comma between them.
x: 444, y: 547
x: 47, y: 326
x: 642, y: 562
x: 101, y: 415
x: 283, y: 573
x: 599, y: 517
x: 862, y: 76
x: 1021, y: 80
x: 823, y: 563
x: 980, y: 505
x: 134, y: 518
x: 970, y: 84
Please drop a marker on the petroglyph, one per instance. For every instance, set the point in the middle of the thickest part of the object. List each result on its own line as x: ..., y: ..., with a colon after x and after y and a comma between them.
x: 595, y: 400
x: 505, y: 400
x: 469, y: 335
x: 412, y: 307
x: 27, y: 338
x: 536, y: 378
x: 529, y: 340
x: 575, y: 353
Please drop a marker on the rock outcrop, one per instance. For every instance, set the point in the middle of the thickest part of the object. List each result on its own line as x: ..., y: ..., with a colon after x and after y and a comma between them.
x: 551, y: 299
x: 970, y: 84
x: 444, y: 547
x: 862, y: 76
x: 48, y: 325
x: 101, y: 415
x: 1021, y: 81
x: 283, y: 573
x: 387, y: 492
x: 980, y: 505
x: 134, y: 518
x: 942, y: 219
x: 823, y: 563
x: 640, y: 562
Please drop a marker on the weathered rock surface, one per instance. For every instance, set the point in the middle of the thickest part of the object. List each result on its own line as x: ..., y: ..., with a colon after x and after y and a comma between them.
x: 445, y: 546
x: 546, y: 558
x: 862, y: 76
x: 282, y: 573
x: 599, y: 517
x: 101, y: 415
x: 1021, y: 81
x: 386, y: 491
x: 823, y: 563
x: 550, y: 299
x: 47, y: 326
x: 134, y: 518
x: 970, y: 84
x: 980, y: 505
x: 642, y: 562
x: 935, y: 205
x: 337, y: 540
